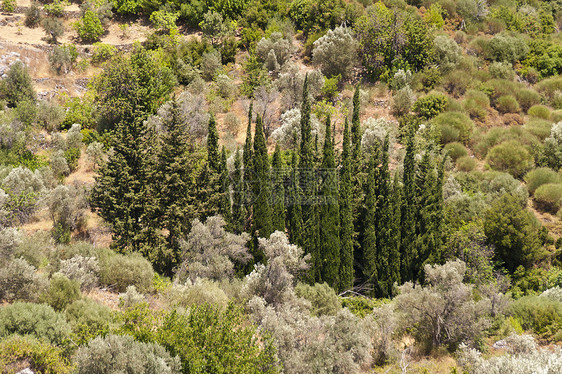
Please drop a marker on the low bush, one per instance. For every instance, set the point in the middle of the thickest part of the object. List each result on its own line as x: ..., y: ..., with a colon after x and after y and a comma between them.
x: 539, y: 111
x: 20, y: 281
x: 40, y: 357
x: 539, y: 127
x: 548, y: 197
x: 507, y: 104
x: 83, y: 270
x: 527, y: 98
x: 466, y: 164
x: 102, y: 52
x: 476, y: 104
x: 430, y: 105
x: 122, y: 354
x: 537, y: 177
x: 502, y: 70
x: 89, y: 27
x: 61, y: 292
x: 455, y: 150
x: 33, y: 15
x: 454, y: 126
x: 120, y: 271
x: 36, y: 320
x: 322, y: 297
x: 53, y: 27
x: 63, y: 58
x: 510, y: 156
x: 88, y: 319
x: 540, y: 314
x: 556, y: 116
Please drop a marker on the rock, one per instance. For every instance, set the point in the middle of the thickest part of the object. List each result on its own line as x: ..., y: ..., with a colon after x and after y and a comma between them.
x: 500, y: 344
x: 25, y: 371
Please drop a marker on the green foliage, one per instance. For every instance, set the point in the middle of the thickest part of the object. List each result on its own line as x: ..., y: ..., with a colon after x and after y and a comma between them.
x: 17, y: 86
x: 33, y: 15
x: 102, y: 52
x: 537, y: 177
x: 430, y: 105
x: 56, y: 8
x: 539, y: 127
x: 510, y: 156
x: 527, y: 98
x: 207, y: 339
x: 514, y: 231
x: 53, y: 27
x: 40, y: 356
x: 434, y: 15
x: 476, y: 104
x: 336, y: 52
x: 19, y: 281
x: 323, y: 298
x: 548, y: 197
x: 454, y: 126
x: 79, y: 110
x: 537, y: 313
x: 116, y: 354
x: 360, y: 306
x: 255, y: 76
x: 466, y: 163
x: 539, y: 111
x: 61, y: 292
x: 502, y: 70
x: 455, y: 150
x: 9, y: 5
x: 63, y: 58
x: 507, y: 48
x: 164, y: 21
x: 447, y: 53
x: 507, y: 104
x: 120, y: 271
x: 35, y: 320
x: 89, y: 27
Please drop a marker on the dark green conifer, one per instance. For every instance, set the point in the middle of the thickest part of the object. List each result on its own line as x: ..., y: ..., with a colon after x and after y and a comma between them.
x: 263, y: 226
x: 356, y: 128
x: 393, y: 274
x: 368, y: 236
x: 293, y: 203
x: 238, y: 209
x: 213, y: 153
x: 346, y: 214
x: 247, y: 158
x: 408, y: 251
x: 226, y: 204
x: 278, y: 190
x: 329, y: 244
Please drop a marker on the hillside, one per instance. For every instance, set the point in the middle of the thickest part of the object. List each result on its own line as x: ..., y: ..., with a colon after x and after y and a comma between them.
x: 267, y: 186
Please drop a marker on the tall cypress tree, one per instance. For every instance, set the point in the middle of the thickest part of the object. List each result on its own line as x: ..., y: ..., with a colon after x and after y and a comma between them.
x: 408, y: 251
x: 346, y: 214
x: 247, y: 158
x: 369, y: 234
x: 209, y: 184
x: 329, y: 244
x: 226, y: 203
x: 293, y: 203
x: 356, y: 128
x: 394, y: 245
x: 238, y: 211
x: 213, y: 153
x: 263, y: 226
x: 172, y: 179
x: 383, y: 222
x: 278, y: 190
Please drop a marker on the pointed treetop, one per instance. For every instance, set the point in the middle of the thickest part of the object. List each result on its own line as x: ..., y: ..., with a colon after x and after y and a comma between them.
x: 213, y: 145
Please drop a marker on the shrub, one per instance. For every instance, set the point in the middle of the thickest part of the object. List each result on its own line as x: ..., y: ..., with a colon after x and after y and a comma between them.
x: 83, y: 270
x: 527, y: 98
x: 116, y: 354
x: 55, y: 9
x: 539, y: 111
x: 120, y: 271
x: 61, y: 292
x: 226, y: 87
x: 322, y: 297
x: 457, y: 82
x: 537, y: 177
x: 164, y: 21
x: 539, y: 128
x: 277, y: 47
x: 454, y: 126
x: 556, y: 115
x: 17, y: 85
x: 502, y: 70
x: 36, y: 320
x: 102, y: 52
x: 455, y: 150
x: 33, y: 15
x: 89, y: 27
x: 336, y: 52
x: 466, y: 163
x: 402, y: 101
x: 20, y: 281
x: 430, y: 105
x: 548, y: 197
x: 510, y: 156
x: 9, y: 5
x: 199, y: 292
x: 211, y: 64
x: 63, y: 58
x: 447, y: 53
x: 130, y: 298
x: 40, y: 357
x: 507, y: 48
x: 476, y: 104
x: 507, y: 104
x: 49, y: 115
x: 88, y: 319
x: 540, y: 314
x: 53, y: 27
x: 26, y: 112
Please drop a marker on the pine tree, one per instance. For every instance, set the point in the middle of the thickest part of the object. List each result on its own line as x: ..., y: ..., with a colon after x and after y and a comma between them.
x: 171, y: 177
x: 122, y: 195
x: 346, y: 214
x: 278, y: 190
x: 408, y: 251
x: 263, y: 225
x: 369, y: 234
x: 293, y: 203
x: 238, y: 209
x: 329, y: 244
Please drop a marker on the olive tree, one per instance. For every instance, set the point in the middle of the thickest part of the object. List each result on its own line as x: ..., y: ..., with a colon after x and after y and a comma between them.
x: 336, y: 52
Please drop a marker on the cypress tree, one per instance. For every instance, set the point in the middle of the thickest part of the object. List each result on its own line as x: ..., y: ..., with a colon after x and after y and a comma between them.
x: 209, y: 180
x: 213, y: 154
x: 369, y: 234
x: 329, y: 244
x: 356, y: 128
x: 238, y: 211
x: 247, y: 158
x: 263, y: 226
x: 226, y: 203
x: 346, y: 214
x: 278, y: 190
x: 172, y: 179
x: 293, y: 203
x: 408, y: 251
x: 393, y: 274
x: 383, y: 222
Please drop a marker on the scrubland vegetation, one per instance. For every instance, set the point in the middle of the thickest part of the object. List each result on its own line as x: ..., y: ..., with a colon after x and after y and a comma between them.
x: 267, y: 186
